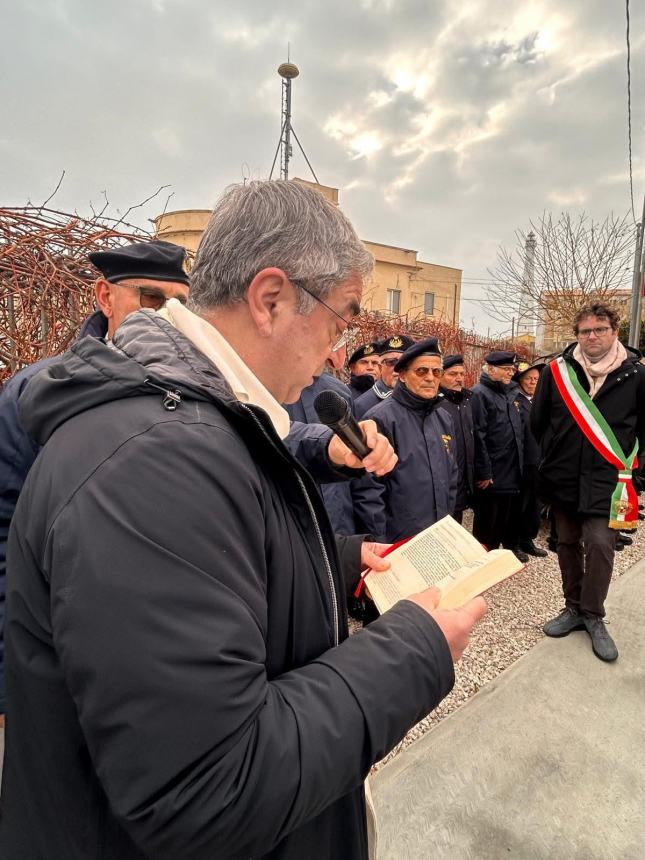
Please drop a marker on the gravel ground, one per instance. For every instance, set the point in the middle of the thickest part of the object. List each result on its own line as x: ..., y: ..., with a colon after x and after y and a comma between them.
x: 517, y: 609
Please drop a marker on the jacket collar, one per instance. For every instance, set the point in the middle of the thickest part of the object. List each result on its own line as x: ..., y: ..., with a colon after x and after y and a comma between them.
x: 487, y: 382
x: 412, y: 401
x: 381, y: 389
x: 456, y: 396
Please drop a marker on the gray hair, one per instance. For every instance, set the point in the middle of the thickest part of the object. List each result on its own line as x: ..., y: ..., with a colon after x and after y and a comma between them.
x: 282, y: 224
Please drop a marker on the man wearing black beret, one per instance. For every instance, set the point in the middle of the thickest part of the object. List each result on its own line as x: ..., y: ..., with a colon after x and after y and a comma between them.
x: 499, y: 451
x: 365, y: 368
x: 422, y: 488
x: 141, y: 275
x: 456, y: 401
x: 390, y: 350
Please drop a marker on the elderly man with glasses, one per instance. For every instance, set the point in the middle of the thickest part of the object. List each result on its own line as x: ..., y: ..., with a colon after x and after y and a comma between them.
x: 181, y: 681
x: 499, y: 451
x: 422, y: 488
x: 589, y: 415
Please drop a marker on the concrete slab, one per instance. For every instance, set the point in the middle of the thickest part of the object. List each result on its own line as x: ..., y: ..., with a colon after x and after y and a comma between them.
x: 547, y: 761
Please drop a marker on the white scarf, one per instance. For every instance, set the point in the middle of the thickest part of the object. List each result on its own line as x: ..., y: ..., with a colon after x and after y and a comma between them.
x: 245, y: 384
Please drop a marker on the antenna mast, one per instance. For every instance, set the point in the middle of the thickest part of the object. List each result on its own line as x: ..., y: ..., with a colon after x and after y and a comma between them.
x: 287, y: 71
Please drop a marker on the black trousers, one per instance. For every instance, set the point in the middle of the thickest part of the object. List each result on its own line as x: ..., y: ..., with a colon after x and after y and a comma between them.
x: 528, y: 511
x: 494, y: 521
x: 586, y: 549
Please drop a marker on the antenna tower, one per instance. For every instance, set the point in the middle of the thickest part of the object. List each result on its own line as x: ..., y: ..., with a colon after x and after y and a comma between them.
x: 287, y: 71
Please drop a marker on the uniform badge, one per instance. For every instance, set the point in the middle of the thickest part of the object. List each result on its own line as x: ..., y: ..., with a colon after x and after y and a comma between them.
x: 395, y: 342
x: 369, y: 349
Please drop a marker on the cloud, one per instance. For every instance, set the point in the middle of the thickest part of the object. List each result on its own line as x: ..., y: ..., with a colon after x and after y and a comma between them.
x: 446, y: 125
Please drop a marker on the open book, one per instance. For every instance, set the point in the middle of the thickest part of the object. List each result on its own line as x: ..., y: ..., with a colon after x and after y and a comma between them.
x: 444, y: 555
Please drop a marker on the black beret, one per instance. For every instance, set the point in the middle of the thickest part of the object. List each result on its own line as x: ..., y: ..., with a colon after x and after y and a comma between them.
x: 396, y: 343
x: 523, y: 367
x: 363, y: 351
x: 500, y: 356
x: 452, y: 360
x: 157, y: 260
x: 429, y: 346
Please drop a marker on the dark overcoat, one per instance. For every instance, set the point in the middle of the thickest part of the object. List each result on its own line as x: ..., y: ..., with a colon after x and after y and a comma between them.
x: 499, y: 435
x: 572, y: 474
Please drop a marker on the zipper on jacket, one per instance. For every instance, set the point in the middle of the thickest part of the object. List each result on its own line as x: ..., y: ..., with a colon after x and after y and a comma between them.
x: 323, y: 548
x: 172, y: 398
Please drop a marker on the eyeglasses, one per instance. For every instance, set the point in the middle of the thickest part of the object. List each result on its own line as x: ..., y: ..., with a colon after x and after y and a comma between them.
x: 437, y: 372
x: 389, y: 362
x: 151, y: 298
x: 343, y: 340
x: 587, y: 332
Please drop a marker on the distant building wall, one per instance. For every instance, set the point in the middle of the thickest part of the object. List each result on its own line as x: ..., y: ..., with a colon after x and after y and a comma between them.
x: 400, y: 283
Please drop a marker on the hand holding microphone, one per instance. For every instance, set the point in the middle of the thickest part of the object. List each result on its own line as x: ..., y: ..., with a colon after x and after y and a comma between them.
x: 357, y: 445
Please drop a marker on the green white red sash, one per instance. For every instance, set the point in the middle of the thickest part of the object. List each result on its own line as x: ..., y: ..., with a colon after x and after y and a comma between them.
x: 623, y: 511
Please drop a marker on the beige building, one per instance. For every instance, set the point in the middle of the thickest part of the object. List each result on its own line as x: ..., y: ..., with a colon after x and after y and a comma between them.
x: 400, y: 284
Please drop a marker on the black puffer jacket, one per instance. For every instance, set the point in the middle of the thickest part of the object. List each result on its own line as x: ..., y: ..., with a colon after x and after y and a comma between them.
x: 499, y: 435
x: 180, y: 685
x: 571, y: 473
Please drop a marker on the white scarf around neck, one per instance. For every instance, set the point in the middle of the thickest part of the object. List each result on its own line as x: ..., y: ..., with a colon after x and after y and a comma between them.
x: 245, y: 384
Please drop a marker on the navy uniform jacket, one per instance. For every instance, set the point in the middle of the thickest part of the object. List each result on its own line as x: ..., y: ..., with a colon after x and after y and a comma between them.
x: 337, y: 496
x: 457, y: 404
x: 422, y: 487
x: 499, y: 435
x: 378, y: 392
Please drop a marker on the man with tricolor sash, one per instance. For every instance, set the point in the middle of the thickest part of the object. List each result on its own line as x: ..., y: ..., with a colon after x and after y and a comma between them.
x: 589, y: 416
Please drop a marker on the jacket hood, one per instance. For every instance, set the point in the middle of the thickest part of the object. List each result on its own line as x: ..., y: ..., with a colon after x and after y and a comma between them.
x: 147, y: 354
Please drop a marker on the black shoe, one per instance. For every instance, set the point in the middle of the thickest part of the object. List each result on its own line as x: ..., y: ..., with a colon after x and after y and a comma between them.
x: 569, y: 619
x: 603, y: 645
x: 529, y: 547
x: 552, y: 544
x: 620, y: 546
x: 624, y: 539
x: 519, y: 554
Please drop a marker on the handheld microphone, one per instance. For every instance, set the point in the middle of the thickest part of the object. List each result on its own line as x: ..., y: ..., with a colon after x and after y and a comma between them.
x: 334, y: 412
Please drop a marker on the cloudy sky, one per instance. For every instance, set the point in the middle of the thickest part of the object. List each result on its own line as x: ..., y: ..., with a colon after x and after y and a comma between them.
x: 446, y: 125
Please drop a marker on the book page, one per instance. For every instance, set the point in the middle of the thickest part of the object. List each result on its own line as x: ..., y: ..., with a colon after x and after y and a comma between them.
x: 478, y: 576
x: 428, y: 559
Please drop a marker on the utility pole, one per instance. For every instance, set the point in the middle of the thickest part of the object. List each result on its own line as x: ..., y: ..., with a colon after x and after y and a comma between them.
x: 638, y: 285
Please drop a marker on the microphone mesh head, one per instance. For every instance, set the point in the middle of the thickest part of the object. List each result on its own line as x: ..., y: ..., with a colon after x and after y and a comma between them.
x: 330, y: 407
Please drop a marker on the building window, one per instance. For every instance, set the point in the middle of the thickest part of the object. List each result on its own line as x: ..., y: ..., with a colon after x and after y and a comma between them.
x: 394, y: 301
x: 428, y: 304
